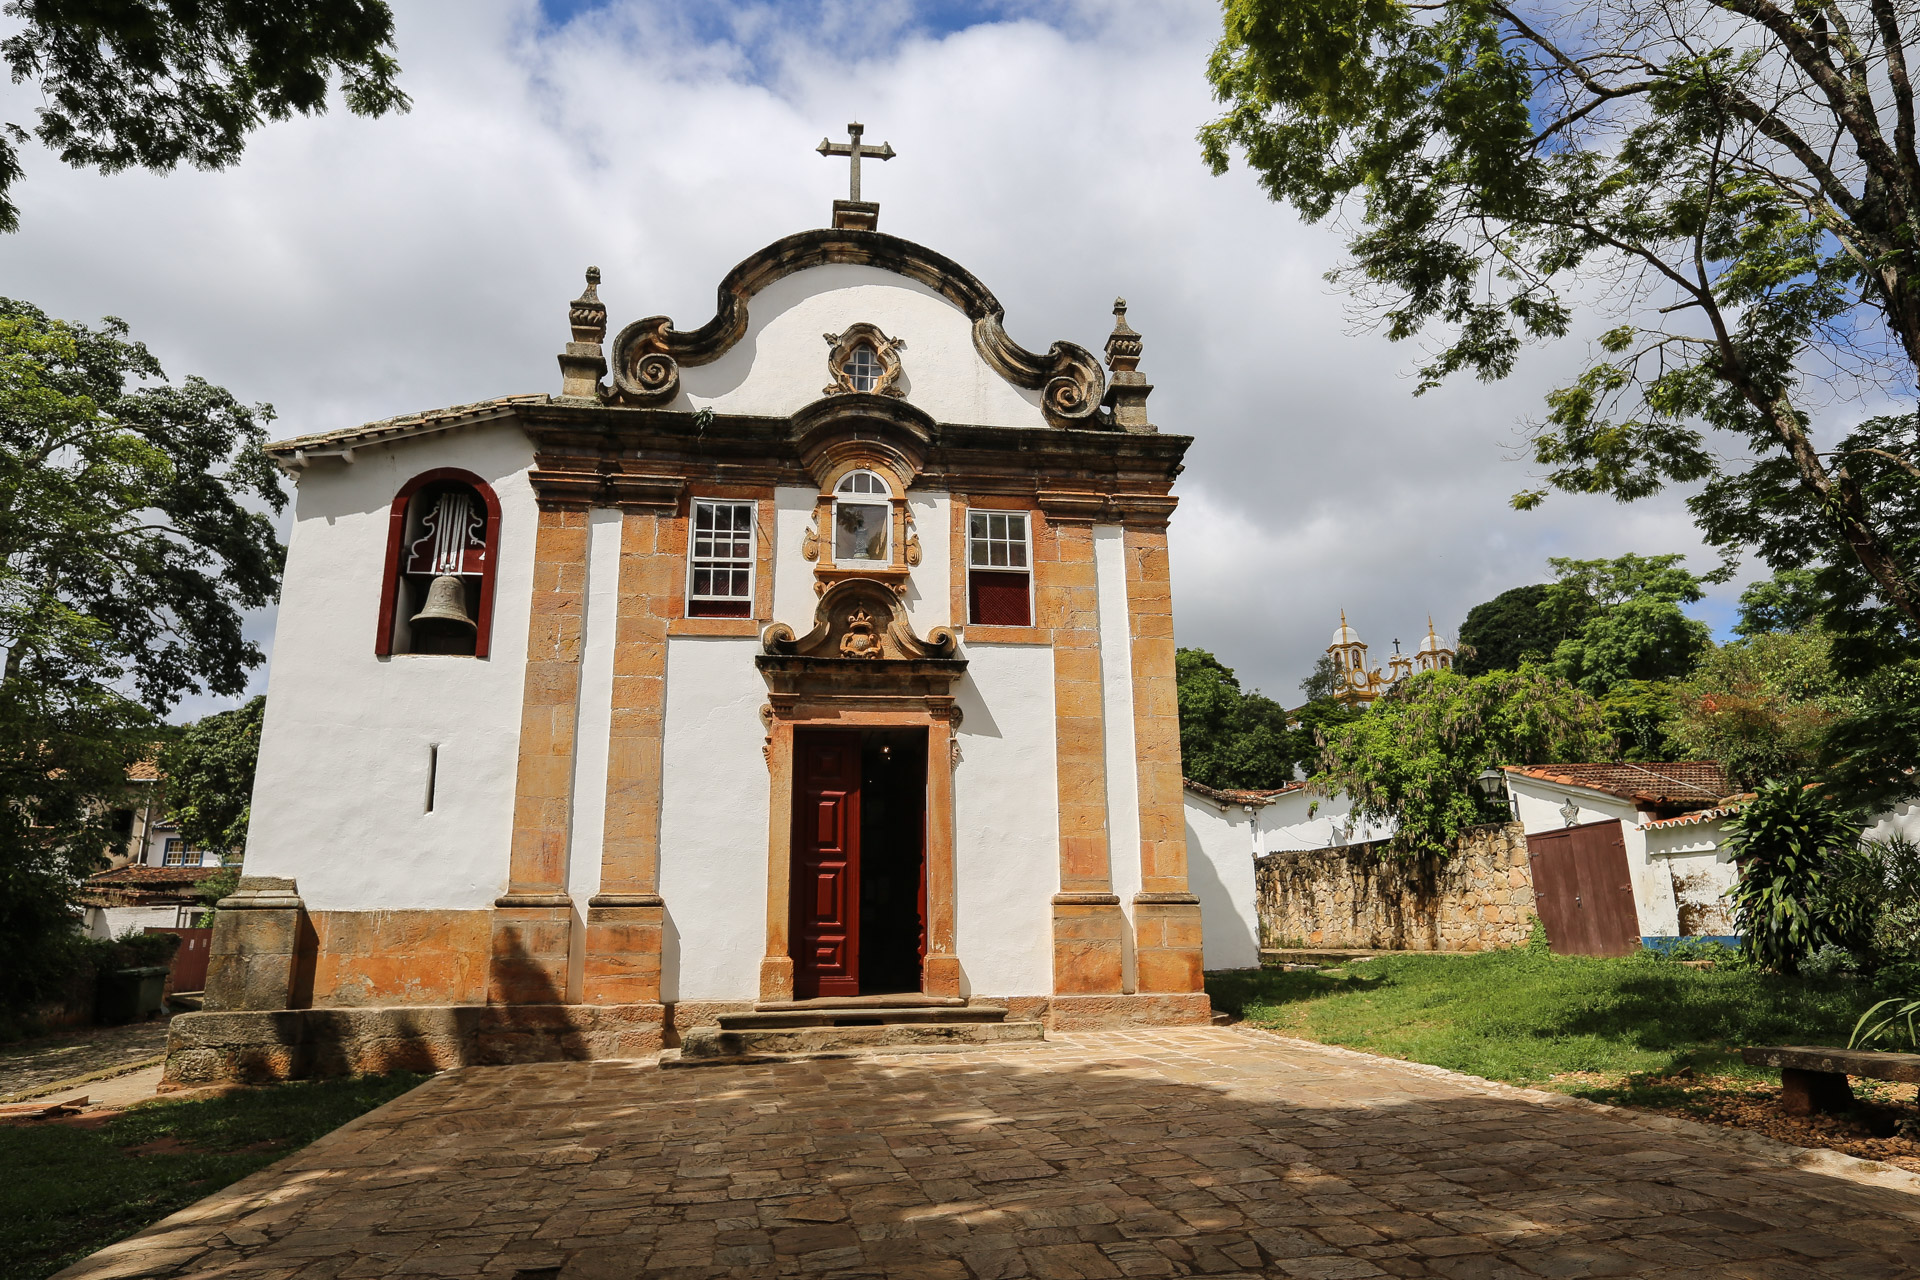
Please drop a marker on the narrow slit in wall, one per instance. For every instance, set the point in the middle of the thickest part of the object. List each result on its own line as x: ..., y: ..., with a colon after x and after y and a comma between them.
x: 433, y: 772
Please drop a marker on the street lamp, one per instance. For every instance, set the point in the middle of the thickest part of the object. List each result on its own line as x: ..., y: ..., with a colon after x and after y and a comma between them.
x: 1490, y: 782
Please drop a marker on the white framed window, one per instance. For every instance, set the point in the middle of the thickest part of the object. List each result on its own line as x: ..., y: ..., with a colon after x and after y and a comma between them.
x: 720, y: 558
x: 863, y: 368
x: 175, y: 853
x: 862, y: 518
x: 999, y: 569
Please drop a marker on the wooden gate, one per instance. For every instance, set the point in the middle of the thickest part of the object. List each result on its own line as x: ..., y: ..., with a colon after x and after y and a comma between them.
x: 1583, y: 890
x: 189, y: 971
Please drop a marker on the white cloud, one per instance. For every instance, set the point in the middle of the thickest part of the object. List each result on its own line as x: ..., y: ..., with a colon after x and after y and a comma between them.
x: 352, y: 269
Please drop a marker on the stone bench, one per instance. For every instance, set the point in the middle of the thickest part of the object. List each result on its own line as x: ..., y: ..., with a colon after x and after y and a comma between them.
x: 1814, y: 1079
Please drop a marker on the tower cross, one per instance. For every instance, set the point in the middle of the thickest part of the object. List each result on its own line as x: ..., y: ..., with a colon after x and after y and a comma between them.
x: 854, y: 150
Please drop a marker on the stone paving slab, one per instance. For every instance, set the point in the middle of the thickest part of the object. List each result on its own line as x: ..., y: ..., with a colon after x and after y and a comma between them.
x: 1205, y: 1151
x: 46, y: 1064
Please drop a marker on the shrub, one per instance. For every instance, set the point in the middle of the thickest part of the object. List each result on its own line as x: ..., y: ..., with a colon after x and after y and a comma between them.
x: 1793, y: 847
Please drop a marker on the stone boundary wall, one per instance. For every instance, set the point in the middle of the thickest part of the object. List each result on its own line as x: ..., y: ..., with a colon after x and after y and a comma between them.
x: 1366, y: 897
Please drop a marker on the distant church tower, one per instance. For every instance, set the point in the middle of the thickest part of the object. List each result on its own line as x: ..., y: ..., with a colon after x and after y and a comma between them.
x: 1360, y: 685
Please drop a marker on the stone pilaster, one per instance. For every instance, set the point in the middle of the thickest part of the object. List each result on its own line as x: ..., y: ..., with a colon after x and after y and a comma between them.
x: 533, y: 920
x: 626, y: 920
x: 1166, y: 914
x: 1089, y: 929
x: 255, y: 951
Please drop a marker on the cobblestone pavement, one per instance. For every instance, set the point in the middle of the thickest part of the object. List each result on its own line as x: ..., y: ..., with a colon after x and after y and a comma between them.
x: 38, y: 1066
x: 1205, y: 1151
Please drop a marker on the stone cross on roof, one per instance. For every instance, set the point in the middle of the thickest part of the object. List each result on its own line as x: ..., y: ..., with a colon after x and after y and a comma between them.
x: 854, y: 150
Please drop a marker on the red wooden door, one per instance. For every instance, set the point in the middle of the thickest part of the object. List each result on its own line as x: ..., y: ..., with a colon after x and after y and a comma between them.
x: 826, y: 864
x: 189, y: 971
x: 1583, y: 890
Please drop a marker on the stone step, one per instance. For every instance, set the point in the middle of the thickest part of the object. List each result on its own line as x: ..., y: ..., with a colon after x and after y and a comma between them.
x: 715, y: 1045
x: 864, y: 1015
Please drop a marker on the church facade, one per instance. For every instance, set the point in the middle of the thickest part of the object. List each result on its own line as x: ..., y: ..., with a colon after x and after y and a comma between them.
x: 821, y: 652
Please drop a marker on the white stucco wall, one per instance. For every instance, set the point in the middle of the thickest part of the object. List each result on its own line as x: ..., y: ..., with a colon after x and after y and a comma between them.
x: 1006, y: 821
x: 929, y: 598
x: 1116, y: 705
x: 713, y: 821
x: 793, y: 597
x: 339, y: 797
x: 780, y: 364
x: 1220, y: 853
x: 1901, y: 820
x: 108, y: 923
x: 1300, y: 820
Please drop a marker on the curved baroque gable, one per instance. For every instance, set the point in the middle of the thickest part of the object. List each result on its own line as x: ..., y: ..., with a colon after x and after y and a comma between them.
x: 648, y: 354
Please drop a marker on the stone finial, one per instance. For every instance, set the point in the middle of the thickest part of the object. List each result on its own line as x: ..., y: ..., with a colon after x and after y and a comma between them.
x: 584, y: 363
x: 1123, y: 344
x: 588, y: 315
x: 1127, y: 393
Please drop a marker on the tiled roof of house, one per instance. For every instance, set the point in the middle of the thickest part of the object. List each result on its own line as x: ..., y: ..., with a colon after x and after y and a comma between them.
x: 409, y: 424
x: 143, y: 771
x: 1692, y: 784
x: 1736, y: 804
x: 1219, y: 796
x: 140, y: 877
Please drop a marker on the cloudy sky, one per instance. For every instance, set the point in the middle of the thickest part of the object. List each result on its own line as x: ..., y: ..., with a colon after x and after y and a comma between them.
x: 351, y: 269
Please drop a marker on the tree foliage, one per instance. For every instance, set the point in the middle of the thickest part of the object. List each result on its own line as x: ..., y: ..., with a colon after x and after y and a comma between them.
x: 131, y: 537
x: 1792, y: 843
x: 1508, y: 630
x: 1737, y: 181
x: 1870, y: 751
x: 1230, y: 738
x: 1623, y: 620
x: 1414, y: 754
x: 1762, y: 706
x: 209, y: 768
x: 154, y: 83
x: 1790, y: 600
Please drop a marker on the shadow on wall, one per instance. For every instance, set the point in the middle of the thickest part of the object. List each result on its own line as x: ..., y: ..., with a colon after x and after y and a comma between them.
x: 1230, y: 943
x: 1295, y: 1162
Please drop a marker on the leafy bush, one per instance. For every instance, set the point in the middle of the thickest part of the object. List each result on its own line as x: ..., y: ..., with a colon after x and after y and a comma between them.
x: 1888, y: 1024
x: 1793, y: 846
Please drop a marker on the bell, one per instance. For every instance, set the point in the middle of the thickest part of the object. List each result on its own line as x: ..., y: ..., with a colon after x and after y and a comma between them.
x: 445, y: 613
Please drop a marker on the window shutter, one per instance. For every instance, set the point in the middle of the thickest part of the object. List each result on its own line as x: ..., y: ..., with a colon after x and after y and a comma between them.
x: 998, y: 599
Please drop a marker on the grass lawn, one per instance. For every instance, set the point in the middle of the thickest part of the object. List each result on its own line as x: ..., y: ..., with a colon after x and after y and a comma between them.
x: 66, y: 1191
x: 1600, y: 1028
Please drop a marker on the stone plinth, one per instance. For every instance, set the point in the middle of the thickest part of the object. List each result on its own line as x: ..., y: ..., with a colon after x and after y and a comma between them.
x: 254, y: 953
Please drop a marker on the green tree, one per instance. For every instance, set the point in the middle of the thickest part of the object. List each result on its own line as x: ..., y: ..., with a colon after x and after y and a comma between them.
x: 1737, y: 181
x: 1762, y: 707
x: 1638, y: 713
x: 209, y: 769
x: 1414, y: 754
x: 1790, y: 842
x: 1869, y: 753
x: 1623, y: 620
x: 157, y: 82
x: 131, y: 538
x: 1229, y: 738
x: 1790, y: 600
x: 1327, y: 679
x: 1508, y: 630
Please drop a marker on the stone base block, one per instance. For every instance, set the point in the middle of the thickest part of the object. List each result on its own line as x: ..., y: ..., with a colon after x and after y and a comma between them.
x: 1089, y: 943
x: 261, y: 1046
x: 623, y: 955
x: 530, y: 954
x: 1114, y: 1013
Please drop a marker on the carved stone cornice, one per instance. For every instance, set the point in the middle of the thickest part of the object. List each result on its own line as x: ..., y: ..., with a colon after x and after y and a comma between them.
x: 648, y: 354
x: 1141, y: 510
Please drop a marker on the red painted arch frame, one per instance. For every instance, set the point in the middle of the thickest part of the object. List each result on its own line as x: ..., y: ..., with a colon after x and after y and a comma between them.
x: 396, y: 534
